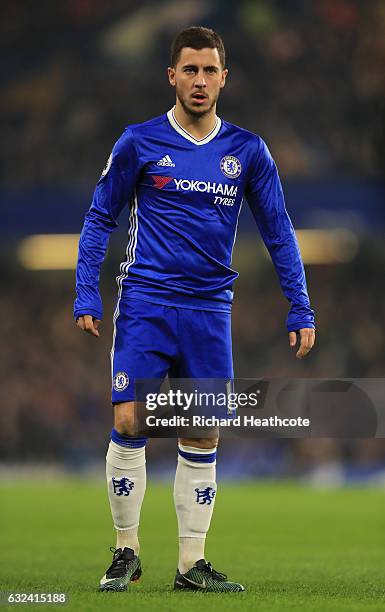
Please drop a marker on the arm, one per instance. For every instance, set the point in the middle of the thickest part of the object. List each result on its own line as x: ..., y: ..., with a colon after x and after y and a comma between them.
x: 113, y: 191
x: 265, y: 198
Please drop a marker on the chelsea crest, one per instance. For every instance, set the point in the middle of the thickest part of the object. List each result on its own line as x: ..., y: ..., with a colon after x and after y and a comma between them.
x: 231, y: 166
x: 121, y: 381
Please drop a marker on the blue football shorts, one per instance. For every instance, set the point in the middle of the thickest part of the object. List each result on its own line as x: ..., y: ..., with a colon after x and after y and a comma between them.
x: 152, y: 341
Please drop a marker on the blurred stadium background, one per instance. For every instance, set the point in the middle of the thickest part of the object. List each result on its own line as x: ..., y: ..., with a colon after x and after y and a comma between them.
x: 309, y: 78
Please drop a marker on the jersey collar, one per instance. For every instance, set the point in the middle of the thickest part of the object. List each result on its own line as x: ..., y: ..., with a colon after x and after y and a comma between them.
x: 178, y: 128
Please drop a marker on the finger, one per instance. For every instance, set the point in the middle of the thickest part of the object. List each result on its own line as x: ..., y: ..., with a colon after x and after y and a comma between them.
x: 97, y: 323
x: 89, y: 326
x: 93, y: 331
x: 307, y: 342
x: 303, y: 348
x: 303, y: 344
x: 80, y: 323
x: 302, y: 352
x: 309, y: 338
x: 292, y: 338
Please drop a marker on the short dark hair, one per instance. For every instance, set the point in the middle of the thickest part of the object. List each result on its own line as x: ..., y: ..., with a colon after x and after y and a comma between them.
x: 197, y: 37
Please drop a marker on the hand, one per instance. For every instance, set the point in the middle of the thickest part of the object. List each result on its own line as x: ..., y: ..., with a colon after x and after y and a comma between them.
x: 307, y: 339
x: 89, y: 324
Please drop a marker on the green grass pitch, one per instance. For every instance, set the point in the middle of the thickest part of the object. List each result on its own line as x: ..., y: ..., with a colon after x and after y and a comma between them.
x: 292, y: 547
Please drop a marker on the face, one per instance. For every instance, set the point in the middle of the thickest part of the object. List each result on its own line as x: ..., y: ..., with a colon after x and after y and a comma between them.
x: 198, y: 78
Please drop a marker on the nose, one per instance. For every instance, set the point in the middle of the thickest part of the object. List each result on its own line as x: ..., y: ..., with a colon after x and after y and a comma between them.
x: 200, y: 79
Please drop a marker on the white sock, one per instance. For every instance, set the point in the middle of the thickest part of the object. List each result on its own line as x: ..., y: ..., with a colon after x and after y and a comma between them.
x: 126, y: 483
x: 194, y: 497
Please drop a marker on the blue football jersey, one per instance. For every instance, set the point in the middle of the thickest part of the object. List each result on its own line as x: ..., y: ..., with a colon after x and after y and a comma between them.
x: 185, y: 196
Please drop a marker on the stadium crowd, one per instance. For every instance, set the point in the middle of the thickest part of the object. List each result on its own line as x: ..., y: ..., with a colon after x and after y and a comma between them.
x: 307, y: 76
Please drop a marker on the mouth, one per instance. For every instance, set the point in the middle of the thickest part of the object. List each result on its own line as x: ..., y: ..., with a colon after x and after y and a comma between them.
x: 199, y: 98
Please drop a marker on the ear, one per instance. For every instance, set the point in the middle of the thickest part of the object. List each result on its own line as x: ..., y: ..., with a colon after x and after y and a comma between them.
x: 224, y: 75
x: 171, y: 76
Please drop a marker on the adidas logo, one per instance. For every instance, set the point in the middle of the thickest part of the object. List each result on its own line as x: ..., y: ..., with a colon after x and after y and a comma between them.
x: 166, y: 161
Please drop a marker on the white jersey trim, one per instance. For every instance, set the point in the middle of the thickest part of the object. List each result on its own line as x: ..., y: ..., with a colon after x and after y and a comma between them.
x: 235, y: 233
x: 178, y: 128
x: 124, y: 268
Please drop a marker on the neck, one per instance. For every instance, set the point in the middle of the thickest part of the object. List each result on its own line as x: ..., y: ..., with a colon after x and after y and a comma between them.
x: 196, y: 125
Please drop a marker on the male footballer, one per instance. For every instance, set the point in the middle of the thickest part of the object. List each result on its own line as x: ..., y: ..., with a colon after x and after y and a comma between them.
x: 184, y: 176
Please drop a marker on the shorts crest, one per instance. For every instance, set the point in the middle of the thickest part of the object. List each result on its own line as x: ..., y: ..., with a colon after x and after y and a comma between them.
x: 121, y: 381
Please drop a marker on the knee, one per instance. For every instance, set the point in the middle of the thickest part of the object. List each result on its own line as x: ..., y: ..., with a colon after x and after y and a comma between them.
x: 125, y: 421
x: 200, y: 442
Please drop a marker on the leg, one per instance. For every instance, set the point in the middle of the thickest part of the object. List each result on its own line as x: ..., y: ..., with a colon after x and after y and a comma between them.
x: 194, y: 493
x: 141, y: 341
x: 126, y: 482
x: 207, y: 360
x: 206, y: 354
x: 143, y: 346
x: 126, y: 476
x: 194, y: 496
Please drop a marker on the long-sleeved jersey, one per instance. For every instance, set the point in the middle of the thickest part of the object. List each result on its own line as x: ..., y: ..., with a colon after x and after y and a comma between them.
x: 185, y: 196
